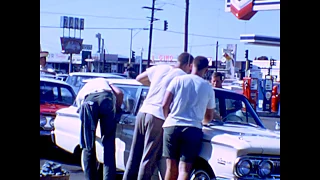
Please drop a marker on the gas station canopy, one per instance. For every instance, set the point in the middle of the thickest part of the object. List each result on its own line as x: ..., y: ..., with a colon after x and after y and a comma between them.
x: 260, y: 40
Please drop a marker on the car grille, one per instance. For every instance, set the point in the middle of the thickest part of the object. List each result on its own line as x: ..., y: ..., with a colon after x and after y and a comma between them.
x: 256, y: 159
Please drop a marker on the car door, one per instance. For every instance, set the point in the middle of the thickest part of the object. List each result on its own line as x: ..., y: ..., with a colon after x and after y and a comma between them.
x: 126, y: 124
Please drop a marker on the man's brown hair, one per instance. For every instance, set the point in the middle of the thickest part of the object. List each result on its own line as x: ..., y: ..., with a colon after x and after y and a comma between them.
x: 200, y: 62
x: 218, y: 74
x: 185, y: 58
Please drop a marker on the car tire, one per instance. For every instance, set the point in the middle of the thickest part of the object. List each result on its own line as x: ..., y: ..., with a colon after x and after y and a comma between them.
x: 198, y: 174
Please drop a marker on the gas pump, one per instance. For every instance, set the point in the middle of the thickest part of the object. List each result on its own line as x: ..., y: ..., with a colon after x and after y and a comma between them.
x: 267, y: 93
x: 274, y: 99
x: 250, y: 90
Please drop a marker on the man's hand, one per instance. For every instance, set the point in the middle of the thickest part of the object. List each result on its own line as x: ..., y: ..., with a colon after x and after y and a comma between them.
x: 119, y: 96
x: 167, y: 100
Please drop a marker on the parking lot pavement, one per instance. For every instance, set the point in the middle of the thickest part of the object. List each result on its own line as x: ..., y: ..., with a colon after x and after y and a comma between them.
x: 68, y: 161
x: 270, y: 122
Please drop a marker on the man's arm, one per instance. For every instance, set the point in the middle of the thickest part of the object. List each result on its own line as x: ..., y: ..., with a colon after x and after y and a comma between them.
x: 143, y: 78
x: 167, y: 100
x: 119, y: 96
x: 208, y: 116
x: 210, y: 107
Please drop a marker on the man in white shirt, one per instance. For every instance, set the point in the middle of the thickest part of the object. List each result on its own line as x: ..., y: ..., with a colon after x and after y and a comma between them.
x: 188, y: 103
x: 44, y: 68
x: 146, y: 148
x: 98, y: 100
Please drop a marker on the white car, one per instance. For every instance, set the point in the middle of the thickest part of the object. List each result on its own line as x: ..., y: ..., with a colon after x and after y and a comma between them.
x: 238, y: 147
x: 76, y: 79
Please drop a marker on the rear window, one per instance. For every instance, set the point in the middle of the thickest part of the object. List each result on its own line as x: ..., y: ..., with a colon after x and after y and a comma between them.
x: 54, y: 93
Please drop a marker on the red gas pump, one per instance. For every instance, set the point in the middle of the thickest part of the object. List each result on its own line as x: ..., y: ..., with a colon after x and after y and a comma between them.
x: 250, y: 90
x: 274, y: 99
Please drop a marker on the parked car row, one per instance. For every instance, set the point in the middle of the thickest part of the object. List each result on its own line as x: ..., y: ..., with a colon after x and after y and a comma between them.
x: 54, y: 95
x: 238, y: 147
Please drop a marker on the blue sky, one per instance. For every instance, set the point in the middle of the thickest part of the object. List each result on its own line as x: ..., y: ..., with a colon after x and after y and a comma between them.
x: 206, y: 17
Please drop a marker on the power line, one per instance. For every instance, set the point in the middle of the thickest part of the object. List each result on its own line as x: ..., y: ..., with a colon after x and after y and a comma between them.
x: 176, y: 32
x: 172, y: 47
x: 89, y: 15
x: 199, y: 35
x: 101, y: 28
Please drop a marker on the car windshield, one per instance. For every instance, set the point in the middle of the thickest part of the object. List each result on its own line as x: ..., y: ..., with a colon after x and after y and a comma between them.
x: 77, y: 80
x: 234, y: 108
x: 55, y: 93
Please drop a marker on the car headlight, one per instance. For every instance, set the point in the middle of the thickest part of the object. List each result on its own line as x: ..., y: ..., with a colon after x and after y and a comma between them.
x: 265, y: 168
x: 43, y: 121
x: 51, y: 122
x: 243, y: 167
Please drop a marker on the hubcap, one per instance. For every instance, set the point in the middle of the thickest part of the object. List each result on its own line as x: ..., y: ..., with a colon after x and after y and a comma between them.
x: 199, y: 175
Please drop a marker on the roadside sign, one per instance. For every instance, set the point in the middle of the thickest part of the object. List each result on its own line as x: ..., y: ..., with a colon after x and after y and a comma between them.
x: 87, y: 47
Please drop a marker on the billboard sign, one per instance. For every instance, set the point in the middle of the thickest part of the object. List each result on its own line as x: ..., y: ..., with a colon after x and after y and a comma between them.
x: 71, y: 45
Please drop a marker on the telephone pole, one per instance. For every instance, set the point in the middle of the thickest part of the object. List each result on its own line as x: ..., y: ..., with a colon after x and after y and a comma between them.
x: 151, y: 28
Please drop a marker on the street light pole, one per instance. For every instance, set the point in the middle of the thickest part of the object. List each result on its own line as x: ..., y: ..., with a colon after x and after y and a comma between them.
x: 141, y: 61
x: 130, y: 56
x: 217, y: 48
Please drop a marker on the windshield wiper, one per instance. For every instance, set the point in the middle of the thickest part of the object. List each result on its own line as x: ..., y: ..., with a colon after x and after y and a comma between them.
x: 214, y: 123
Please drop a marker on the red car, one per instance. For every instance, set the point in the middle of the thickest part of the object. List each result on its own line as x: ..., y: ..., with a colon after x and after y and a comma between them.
x: 54, y: 95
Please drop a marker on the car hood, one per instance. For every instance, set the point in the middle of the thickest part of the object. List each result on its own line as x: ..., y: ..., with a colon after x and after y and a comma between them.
x: 244, y: 138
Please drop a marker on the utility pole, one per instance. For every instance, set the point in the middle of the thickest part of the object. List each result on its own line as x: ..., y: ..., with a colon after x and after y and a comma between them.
x: 186, y: 27
x: 151, y: 28
x: 217, y: 48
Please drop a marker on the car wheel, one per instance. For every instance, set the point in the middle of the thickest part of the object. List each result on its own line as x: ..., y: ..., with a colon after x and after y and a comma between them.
x: 82, y: 162
x: 199, y: 174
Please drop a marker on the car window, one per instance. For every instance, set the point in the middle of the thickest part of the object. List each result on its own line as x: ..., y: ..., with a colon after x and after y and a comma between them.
x: 66, y: 95
x: 78, y: 80
x: 236, y: 111
x: 129, y: 98
x: 54, y: 93
x: 71, y: 80
x: 217, y: 108
x: 143, y: 96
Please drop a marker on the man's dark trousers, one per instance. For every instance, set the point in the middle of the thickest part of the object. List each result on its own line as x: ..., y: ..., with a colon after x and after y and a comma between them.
x: 98, y: 106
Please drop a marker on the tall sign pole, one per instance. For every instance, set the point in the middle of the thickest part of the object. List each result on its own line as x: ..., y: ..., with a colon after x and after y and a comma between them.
x: 71, y: 45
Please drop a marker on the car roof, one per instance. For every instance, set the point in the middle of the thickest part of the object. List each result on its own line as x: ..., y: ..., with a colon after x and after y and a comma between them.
x: 53, y: 81
x: 121, y: 81
x: 94, y: 74
x: 224, y: 90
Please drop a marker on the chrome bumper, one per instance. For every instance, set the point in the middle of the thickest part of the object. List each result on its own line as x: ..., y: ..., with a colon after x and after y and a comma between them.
x: 45, y: 132
x: 53, y: 138
x: 223, y: 178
